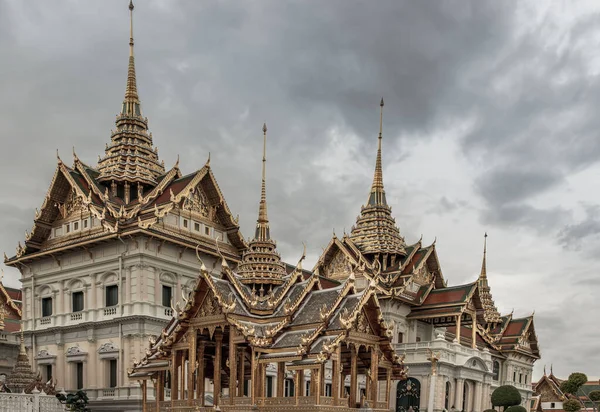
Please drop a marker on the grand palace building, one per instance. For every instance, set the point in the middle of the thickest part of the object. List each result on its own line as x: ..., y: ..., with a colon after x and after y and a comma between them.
x: 138, y: 286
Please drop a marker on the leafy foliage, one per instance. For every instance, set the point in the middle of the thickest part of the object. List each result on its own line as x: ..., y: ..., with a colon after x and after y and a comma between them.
x: 506, y: 395
x: 575, y: 381
x: 571, y: 405
x: 516, y: 408
x: 594, y: 396
x: 75, y: 401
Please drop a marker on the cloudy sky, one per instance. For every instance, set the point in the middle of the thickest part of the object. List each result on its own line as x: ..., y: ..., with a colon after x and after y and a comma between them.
x: 491, y: 124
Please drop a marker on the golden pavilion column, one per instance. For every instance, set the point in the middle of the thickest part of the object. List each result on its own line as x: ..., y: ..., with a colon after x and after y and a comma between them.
x: 240, y: 388
x: 300, y: 385
x: 474, y: 332
x: 353, y: 377
x: 458, y: 319
x: 388, y: 387
x: 183, y: 356
x: 217, y: 371
x: 322, y: 379
x: 313, y: 381
x: 297, y: 384
x: 252, y: 388
x: 374, y: 385
x: 280, y: 378
x: 192, y: 336
x: 263, y: 379
x: 317, y: 378
x: 200, y: 376
x: 335, y: 377
x: 157, y: 390
x: 144, y: 395
x: 174, y: 377
x: 233, y: 379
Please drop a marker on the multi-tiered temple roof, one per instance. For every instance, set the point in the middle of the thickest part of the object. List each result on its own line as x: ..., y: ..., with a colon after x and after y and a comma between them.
x: 130, y: 192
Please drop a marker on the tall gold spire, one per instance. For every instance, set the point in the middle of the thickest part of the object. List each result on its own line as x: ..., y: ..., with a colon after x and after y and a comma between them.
x: 377, y: 196
x: 130, y: 157
x: 483, y: 274
x: 375, y: 232
x: 262, y: 227
x: 261, y: 264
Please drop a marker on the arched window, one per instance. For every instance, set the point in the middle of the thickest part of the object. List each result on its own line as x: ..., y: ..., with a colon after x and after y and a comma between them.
x: 408, y: 394
x: 496, y: 370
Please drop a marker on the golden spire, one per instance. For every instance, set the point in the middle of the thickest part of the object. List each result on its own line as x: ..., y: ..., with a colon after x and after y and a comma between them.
x: 377, y: 196
x: 262, y: 227
x: 483, y: 274
x: 131, y: 105
x: 131, y: 142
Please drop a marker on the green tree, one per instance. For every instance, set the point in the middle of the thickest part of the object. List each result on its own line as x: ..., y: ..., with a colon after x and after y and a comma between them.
x: 506, y: 396
x: 572, y: 386
x: 571, y: 405
x: 76, y: 402
x: 516, y: 408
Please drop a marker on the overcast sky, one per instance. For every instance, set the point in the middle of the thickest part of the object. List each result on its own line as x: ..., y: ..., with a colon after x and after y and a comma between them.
x: 491, y: 123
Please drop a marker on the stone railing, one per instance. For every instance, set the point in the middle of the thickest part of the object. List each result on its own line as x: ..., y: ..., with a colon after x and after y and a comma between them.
x: 46, y: 321
x: 168, y: 312
x: 110, y: 311
x: 33, y: 402
x: 416, y: 352
x: 76, y: 316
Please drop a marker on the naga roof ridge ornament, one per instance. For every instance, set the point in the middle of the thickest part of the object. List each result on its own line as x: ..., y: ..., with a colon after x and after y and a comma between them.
x: 375, y: 231
x: 261, y: 264
x: 130, y: 157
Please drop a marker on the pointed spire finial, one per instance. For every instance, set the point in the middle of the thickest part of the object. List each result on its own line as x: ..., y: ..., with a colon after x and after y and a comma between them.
x: 551, y: 370
x: 262, y: 228
x: 377, y: 196
x: 483, y: 273
x: 131, y: 27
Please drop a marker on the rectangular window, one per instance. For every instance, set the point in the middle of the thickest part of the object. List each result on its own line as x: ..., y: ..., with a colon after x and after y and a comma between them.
x: 552, y: 405
x: 85, y: 224
x: 48, y: 373
x: 514, y: 376
x: 307, y: 388
x: 418, y: 339
x: 185, y: 223
x: 520, y: 378
x: 46, y: 307
x: 400, y: 337
x: 112, y: 295
x: 197, y: 227
x: 166, y: 296
x: 327, y: 389
x: 79, y: 375
x: 269, y: 386
x: 289, y: 388
x: 68, y: 228
x: 75, y: 225
x: 112, y: 373
x: 77, y: 301
x: 207, y: 231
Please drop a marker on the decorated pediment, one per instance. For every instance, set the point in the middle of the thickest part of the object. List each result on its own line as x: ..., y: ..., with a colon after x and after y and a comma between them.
x: 73, y: 206
x: 339, y: 266
x: 196, y: 202
x: 210, y: 306
x: 362, y: 324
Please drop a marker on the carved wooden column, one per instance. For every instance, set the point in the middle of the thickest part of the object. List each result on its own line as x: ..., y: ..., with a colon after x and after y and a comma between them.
x: 280, y: 378
x: 253, y: 378
x: 157, y: 390
x: 353, y: 377
x: 313, y: 381
x: 263, y: 379
x: 458, y: 319
x: 474, y: 332
x: 297, y: 385
x: 300, y: 386
x: 317, y: 385
x: 174, y: 376
x: 217, y: 371
x: 335, y: 377
x: 233, y: 379
x: 192, y: 336
x: 388, y: 387
x: 200, y: 375
x: 374, y: 385
x: 242, y: 377
x: 144, y: 395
